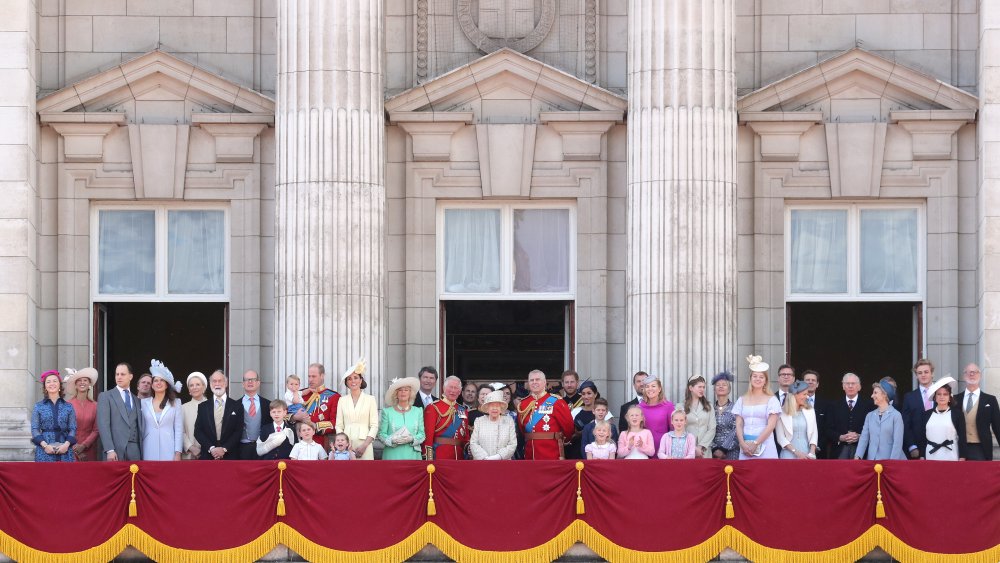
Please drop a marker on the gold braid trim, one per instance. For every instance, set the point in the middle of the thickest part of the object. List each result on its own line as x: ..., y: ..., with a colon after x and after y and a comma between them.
x: 577, y: 531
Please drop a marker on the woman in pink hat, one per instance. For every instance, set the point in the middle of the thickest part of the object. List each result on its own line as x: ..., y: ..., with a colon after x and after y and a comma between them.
x: 53, y: 422
x: 78, y: 385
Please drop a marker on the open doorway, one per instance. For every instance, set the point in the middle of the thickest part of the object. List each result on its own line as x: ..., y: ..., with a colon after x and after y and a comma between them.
x: 871, y: 339
x: 186, y: 337
x: 504, y: 340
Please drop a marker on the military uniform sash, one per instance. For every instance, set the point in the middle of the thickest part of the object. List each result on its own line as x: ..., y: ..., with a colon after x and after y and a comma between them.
x: 546, y: 408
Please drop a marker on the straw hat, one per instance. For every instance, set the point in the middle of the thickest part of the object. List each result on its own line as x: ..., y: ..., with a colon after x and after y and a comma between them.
x: 70, y: 380
x: 390, y: 394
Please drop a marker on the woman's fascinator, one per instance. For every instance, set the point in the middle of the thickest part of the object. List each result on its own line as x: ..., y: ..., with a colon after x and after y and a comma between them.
x: 757, y: 363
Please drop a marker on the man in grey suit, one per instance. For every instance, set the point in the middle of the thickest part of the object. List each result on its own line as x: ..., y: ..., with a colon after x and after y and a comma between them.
x: 118, y: 421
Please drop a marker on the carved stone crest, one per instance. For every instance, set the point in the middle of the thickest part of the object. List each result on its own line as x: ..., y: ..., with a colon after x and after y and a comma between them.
x: 506, y: 23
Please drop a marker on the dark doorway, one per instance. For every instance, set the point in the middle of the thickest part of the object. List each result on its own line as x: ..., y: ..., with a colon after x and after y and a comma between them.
x: 504, y: 340
x: 872, y: 340
x: 186, y: 337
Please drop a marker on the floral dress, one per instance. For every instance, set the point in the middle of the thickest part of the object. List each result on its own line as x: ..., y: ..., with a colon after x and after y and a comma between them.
x: 725, y: 431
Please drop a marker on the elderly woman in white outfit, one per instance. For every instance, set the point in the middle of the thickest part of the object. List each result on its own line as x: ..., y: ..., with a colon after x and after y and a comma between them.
x: 494, y: 435
x: 163, y: 430
x: 197, y: 384
x: 357, y: 413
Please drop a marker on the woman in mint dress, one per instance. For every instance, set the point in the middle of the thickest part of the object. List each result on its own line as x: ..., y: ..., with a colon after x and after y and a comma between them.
x: 402, y: 426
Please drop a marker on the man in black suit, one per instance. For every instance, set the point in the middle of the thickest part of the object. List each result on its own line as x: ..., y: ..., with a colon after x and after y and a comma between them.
x: 637, y: 379
x: 821, y: 407
x: 786, y: 376
x: 219, y: 424
x: 914, y: 404
x: 276, y: 425
x: 846, y: 419
x: 428, y: 377
x: 256, y: 410
x: 982, y: 415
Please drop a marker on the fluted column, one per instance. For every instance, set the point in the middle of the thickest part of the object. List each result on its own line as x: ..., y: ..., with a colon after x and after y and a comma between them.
x: 681, y: 198
x: 330, y: 188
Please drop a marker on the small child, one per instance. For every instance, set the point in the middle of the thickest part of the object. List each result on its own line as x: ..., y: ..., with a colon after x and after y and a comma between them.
x: 342, y: 448
x: 600, y: 413
x: 293, y: 396
x: 306, y: 449
x: 602, y: 447
x: 637, y: 441
x: 277, y: 437
x: 677, y: 444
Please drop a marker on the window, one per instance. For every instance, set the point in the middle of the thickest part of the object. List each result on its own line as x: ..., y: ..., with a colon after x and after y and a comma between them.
x: 855, y: 252
x: 160, y: 253
x: 510, y: 250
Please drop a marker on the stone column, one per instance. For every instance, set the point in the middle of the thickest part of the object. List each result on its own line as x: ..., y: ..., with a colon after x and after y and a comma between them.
x: 680, y: 297
x: 989, y: 198
x: 330, y: 189
x: 19, y: 278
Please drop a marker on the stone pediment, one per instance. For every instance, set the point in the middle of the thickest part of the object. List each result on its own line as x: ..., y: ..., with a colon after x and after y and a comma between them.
x: 857, y: 86
x: 507, y: 87
x: 156, y: 81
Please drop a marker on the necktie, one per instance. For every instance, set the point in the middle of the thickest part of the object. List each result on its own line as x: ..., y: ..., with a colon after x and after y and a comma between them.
x: 218, y: 404
x: 253, y: 408
x: 128, y: 399
x: 927, y: 403
x: 783, y: 399
x: 277, y: 430
x: 850, y: 404
x: 812, y: 401
x: 968, y: 405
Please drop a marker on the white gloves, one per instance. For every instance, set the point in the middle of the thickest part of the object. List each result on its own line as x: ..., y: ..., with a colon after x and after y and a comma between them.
x: 273, y: 441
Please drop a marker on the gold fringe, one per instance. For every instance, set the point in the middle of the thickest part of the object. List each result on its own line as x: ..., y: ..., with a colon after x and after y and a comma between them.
x: 430, y: 533
x: 281, y: 491
x: 879, y: 507
x: 133, y: 510
x: 431, y: 507
x: 579, y: 488
x: 730, y: 511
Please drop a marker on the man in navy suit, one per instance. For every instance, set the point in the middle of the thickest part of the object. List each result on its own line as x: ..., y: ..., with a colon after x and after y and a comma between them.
x: 219, y: 425
x: 428, y: 377
x: 277, y: 426
x: 822, y: 408
x: 846, y: 419
x: 982, y: 415
x: 914, y: 404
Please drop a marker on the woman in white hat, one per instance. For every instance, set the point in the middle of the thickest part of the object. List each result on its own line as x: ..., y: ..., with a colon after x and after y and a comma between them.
x: 77, y: 386
x: 197, y: 384
x: 941, y: 436
x: 757, y: 414
x: 163, y: 430
x: 402, y: 427
x: 357, y: 412
x: 494, y: 435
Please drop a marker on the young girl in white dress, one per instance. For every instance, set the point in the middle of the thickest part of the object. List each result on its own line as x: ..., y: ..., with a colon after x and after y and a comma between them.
x: 602, y: 447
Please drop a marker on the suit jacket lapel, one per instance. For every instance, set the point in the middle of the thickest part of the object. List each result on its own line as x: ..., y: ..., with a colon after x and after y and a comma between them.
x: 120, y: 403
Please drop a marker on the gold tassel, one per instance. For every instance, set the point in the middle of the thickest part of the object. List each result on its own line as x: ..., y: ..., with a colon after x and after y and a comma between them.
x: 133, y: 511
x: 579, y: 489
x: 730, y: 511
x: 281, y: 490
x: 431, y: 507
x: 879, y: 507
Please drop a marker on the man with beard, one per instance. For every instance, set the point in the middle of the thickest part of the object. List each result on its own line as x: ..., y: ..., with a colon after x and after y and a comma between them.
x: 545, y: 420
x: 220, y: 421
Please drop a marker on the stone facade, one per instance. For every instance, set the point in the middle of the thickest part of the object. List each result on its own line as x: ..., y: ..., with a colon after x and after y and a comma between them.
x: 295, y: 122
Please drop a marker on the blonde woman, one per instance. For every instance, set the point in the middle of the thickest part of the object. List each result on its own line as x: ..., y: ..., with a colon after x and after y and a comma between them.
x: 796, y: 431
x: 757, y: 414
x: 357, y: 413
x: 78, y: 385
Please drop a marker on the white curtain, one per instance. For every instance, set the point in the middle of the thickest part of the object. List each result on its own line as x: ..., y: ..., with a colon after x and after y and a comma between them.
x: 889, y: 251
x: 472, y: 250
x: 541, y: 250
x: 196, y: 257
x: 127, y: 252
x: 819, y: 251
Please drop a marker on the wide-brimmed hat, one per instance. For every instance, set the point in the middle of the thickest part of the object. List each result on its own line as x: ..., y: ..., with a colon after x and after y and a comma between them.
x: 946, y: 380
x: 73, y: 375
x: 157, y: 369
x: 390, y: 394
x: 494, y: 397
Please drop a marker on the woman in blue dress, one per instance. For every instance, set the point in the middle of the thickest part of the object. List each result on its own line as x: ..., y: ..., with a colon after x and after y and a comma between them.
x: 53, y: 422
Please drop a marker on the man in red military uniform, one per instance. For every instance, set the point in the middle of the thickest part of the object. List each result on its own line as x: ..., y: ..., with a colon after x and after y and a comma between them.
x: 319, y: 405
x: 545, y: 420
x: 446, y: 424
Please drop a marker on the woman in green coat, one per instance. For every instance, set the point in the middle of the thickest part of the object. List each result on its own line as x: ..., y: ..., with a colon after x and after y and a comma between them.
x: 402, y: 425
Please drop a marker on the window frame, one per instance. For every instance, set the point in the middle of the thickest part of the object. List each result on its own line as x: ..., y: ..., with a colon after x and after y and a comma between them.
x: 507, y: 209
x: 160, y: 260
x: 854, y: 210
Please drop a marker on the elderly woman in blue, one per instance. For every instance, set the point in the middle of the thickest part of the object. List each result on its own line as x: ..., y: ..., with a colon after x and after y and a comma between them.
x: 882, y: 434
x: 53, y: 422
